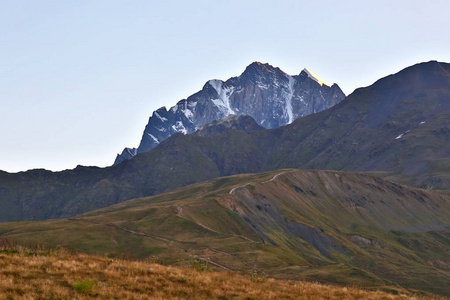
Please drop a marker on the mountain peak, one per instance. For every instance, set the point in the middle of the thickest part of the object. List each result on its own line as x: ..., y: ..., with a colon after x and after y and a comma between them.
x: 425, y: 75
x: 313, y: 76
x: 264, y: 92
x: 262, y: 65
x: 433, y: 67
x: 261, y: 68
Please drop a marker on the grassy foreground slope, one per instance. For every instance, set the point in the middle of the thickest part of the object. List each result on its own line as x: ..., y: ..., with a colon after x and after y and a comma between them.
x: 29, y: 274
x: 321, y: 226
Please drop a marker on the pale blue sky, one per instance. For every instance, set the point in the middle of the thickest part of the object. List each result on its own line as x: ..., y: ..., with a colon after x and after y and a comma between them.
x: 79, y: 79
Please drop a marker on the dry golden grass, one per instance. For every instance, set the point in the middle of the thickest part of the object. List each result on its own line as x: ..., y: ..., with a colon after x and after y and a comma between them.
x: 26, y: 274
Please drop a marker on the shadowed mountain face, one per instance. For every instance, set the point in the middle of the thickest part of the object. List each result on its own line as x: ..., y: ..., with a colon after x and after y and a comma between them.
x: 317, y: 225
x: 267, y: 94
x: 398, y: 127
x: 400, y: 124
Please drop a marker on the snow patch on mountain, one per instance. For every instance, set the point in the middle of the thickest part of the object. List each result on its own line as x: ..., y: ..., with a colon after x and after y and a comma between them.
x: 131, y: 151
x: 159, y: 117
x: 223, y: 102
x: 263, y: 86
x: 403, y: 134
x: 289, y: 96
x: 179, y: 127
x: 187, y: 111
x: 154, y: 138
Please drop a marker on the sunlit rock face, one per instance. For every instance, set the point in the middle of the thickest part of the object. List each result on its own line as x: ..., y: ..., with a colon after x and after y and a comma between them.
x: 266, y: 93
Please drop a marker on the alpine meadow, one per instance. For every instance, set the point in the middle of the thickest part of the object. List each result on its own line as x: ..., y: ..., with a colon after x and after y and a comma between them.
x: 270, y: 183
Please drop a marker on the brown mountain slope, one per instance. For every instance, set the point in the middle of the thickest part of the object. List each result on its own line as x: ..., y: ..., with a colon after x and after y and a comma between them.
x: 315, y: 225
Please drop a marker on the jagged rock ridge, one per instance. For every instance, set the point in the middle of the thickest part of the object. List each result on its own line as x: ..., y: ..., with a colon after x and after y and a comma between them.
x: 266, y: 93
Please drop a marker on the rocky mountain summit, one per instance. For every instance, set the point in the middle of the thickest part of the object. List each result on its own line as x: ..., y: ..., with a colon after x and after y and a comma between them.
x: 266, y: 93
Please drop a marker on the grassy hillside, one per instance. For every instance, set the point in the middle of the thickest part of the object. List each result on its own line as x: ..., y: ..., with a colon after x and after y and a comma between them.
x: 321, y: 226
x: 31, y: 274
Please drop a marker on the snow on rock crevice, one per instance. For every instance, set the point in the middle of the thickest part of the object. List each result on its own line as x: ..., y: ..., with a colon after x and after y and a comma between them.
x: 403, y: 134
x: 179, y: 127
x: 187, y: 110
x: 289, y: 96
x: 153, y: 138
x: 131, y: 151
x: 159, y: 117
x: 223, y: 102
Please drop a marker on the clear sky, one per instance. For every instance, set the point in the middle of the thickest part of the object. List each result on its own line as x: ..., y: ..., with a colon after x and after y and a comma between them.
x: 79, y: 79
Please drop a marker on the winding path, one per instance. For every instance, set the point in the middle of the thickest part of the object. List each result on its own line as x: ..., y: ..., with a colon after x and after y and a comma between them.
x: 233, y: 190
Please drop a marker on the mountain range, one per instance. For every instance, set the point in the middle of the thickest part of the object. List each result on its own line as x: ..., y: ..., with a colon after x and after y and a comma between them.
x: 301, y: 201
x: 266, y: 93
x: 397, y: 128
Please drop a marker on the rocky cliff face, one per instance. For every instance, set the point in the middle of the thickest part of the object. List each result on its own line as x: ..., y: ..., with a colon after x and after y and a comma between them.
x: 266, y: 93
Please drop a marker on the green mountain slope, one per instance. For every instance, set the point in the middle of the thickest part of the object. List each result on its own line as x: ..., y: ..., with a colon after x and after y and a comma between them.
x: 315, y: 225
